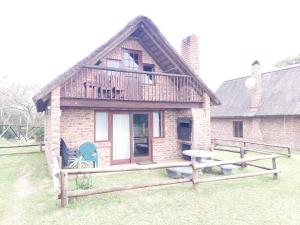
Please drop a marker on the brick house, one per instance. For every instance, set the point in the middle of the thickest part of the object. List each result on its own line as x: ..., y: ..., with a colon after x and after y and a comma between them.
x: 129, y: 97
x: 261, y: 108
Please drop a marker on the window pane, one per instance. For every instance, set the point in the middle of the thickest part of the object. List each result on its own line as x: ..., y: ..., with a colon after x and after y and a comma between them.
x: 131, y: 60
x: 238, y: 128
x: 157, y: 124
x: 148, y: 77
x: 101, y: 126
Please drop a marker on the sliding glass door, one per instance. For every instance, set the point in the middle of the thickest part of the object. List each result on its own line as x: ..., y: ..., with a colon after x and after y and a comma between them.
x: 141, y: 146
x: 131, y: 137
x: 121, y: 138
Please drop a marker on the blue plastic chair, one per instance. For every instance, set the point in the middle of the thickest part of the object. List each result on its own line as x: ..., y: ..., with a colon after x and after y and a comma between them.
x: 89, y: 153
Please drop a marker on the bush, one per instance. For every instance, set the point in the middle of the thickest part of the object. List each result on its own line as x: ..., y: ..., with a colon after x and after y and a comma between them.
x: 39, y: 135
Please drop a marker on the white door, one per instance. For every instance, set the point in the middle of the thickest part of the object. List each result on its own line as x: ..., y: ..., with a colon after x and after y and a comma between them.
x: 121, y: 136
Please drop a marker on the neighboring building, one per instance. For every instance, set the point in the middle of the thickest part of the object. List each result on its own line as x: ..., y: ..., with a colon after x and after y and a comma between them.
x: 262, y: 108
x: 133, y: 97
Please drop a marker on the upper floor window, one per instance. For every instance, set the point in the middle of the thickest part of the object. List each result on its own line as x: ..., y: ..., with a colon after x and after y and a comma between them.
x: 148, y: 77
x: 131, y: 60
x: 238, y: 129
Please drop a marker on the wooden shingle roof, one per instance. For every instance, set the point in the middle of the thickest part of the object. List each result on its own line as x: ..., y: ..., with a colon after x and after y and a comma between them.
x: 280, y: 95
x: 148, y: 35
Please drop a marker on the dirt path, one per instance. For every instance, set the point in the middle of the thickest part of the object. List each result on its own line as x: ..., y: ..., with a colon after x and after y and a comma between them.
x: 23, y: 189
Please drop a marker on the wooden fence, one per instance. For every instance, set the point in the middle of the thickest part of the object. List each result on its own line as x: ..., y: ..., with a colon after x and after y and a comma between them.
x: 244, y: 146
x: 21, y: 146
x: 65, y: 193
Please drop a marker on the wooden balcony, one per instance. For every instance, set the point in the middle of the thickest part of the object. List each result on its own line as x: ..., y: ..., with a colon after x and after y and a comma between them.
x: 107, y: 84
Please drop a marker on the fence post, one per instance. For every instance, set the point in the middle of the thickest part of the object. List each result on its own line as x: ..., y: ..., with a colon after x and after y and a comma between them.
x: 41, y: 147
x: 242, y: 154
x: 213, y: 142
x: 289, y: 152
x: 275, y: 175
x: 195, y: 176
x: 64, y: 188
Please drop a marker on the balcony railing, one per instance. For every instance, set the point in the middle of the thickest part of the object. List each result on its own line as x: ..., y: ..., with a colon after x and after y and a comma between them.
x: 94, y: 82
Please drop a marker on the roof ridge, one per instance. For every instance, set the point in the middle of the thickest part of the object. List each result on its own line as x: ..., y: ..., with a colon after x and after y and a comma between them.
x: 265, y: 73
x: 282, y: 68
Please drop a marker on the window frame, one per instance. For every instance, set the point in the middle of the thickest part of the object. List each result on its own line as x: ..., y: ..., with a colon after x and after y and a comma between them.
x: 238, y: 128
x: 162, y: 126
x: 108, y: 125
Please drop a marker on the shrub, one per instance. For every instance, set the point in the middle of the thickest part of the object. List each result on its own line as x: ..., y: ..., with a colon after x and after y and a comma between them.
x: 39, y: 134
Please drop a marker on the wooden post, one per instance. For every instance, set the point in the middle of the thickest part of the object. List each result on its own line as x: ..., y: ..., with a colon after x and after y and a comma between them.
x: 41, y: 147
x: 245, y: 143
x: 275, y: 175
x: 242, y: 154
x: 195, y: 177
x: 289, y: 152
x: 64, y: 188
x: 213, y: 144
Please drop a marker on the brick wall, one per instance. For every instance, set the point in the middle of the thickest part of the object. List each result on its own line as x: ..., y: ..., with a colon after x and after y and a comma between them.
x: 269, y: 130
x: 77, y: 127
x: 168, y: 148
x: 52, y: 127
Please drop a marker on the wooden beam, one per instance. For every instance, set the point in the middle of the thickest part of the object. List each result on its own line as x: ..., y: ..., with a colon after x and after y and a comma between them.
x: 226, y: 162
x: 258, y: 166
x: 127, y: 168
x: 64, y: 188
x: 266, y: 152
x: 94, y: 191
x: 21, y: 146
x: 237, y: 176
x: 125, y: 105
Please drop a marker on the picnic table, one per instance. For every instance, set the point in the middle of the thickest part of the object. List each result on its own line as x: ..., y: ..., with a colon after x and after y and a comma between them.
x: 198, y: 153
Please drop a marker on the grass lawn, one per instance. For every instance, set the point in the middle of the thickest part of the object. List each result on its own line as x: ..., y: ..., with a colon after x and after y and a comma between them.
x: 27, y: 197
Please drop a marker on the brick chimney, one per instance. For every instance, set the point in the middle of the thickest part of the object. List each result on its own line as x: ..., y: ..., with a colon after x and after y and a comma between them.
x: 256, y: 90
x: 190, y: 52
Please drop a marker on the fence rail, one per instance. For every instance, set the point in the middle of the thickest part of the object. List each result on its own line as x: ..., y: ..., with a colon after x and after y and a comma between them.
x: 65, y: 193
x: 21, y: 146
x: 216, y: 141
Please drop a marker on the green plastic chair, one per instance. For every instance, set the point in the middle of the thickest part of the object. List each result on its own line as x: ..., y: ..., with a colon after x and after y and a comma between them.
x: 89, y: 153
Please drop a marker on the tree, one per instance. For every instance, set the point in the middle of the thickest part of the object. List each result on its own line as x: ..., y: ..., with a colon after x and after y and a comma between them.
x: 17, y: 107
x: 288, y: 61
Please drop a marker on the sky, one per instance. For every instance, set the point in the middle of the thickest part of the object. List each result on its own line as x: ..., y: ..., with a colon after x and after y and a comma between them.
x: 40, y: 39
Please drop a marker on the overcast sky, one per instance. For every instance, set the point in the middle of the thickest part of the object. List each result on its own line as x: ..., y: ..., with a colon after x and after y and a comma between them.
x: 41, y: 39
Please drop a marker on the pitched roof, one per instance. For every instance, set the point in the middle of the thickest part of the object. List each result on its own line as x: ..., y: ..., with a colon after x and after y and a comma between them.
x: 280, y: 95
x: 150, y: 38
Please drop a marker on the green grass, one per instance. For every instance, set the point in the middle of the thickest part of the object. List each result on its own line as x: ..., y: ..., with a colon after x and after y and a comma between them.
x: 27, y: 197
